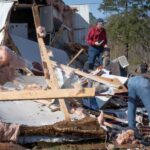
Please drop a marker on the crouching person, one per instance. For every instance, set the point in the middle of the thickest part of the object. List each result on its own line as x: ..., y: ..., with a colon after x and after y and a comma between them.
x: 138, y: 88
x: 9, y: 63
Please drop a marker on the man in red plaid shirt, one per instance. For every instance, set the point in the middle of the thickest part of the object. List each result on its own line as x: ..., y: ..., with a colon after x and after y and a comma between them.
x: 97, y: 42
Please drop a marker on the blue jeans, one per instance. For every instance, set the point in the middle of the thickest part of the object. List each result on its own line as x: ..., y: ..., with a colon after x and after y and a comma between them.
x: 138, y: 87
x: 93, y: 53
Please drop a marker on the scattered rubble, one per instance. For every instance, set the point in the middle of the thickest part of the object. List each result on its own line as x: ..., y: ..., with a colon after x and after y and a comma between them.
x: 44, y: 99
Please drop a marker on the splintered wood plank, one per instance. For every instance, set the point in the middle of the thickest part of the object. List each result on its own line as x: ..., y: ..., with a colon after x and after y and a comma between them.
x: 75, y: 57
x: 47, y: 63
x: 43, y: 50
x: 121, y: 88
x: 114, y: 118
x: 46, y: 94
x: 109, y: 82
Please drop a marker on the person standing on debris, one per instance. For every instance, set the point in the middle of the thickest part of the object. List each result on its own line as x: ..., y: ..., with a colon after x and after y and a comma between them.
x: 97, y: 41
x: 138, y: 88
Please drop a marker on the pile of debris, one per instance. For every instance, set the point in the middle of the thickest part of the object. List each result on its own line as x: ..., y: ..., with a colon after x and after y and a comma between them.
x: 61, y: 103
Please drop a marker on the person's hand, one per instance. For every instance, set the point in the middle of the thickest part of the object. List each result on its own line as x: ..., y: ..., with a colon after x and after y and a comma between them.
x: 105, y: 46
x: 97, y: 43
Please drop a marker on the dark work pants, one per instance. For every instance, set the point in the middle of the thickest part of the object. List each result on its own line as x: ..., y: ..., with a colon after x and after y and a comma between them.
x: 93, y: 53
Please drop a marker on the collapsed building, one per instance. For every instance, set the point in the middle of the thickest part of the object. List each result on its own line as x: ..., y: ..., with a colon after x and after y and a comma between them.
x: 50, y: 99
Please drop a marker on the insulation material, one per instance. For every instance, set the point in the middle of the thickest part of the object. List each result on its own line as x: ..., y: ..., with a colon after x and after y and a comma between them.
x: 11, y: 58
x: 9, y: 63
x: 61, y: 76
x: 41, y: 31
x: 9, y: 132
x: 5, y: 8
x: 125, y: 137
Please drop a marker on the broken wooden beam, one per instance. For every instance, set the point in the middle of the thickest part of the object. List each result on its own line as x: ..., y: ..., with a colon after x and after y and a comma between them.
x: 41, y: 46
x: 115, y: 118
x: 109, y: 82
x: 48, y: 68
x: 46, y: 94
x: 76, y: 56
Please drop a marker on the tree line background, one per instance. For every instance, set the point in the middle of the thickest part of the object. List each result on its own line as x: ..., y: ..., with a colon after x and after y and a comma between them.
x: 128, y: 28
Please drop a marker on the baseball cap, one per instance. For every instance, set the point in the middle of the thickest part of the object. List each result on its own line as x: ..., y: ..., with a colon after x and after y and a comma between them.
x: 100, y: 20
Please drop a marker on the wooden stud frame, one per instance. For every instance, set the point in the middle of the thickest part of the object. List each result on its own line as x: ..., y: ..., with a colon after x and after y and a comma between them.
x: 46, y: 94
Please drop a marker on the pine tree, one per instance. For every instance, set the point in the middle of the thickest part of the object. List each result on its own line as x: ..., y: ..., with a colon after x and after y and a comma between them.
x: 129, y: 26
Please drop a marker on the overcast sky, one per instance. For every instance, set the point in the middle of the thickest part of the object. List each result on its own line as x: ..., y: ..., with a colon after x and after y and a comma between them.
x: 93, y: 7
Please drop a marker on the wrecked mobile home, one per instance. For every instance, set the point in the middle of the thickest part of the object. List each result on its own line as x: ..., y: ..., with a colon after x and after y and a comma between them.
x: 44, y: 94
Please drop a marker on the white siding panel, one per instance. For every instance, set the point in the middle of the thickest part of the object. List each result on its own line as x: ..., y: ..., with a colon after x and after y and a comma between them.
x: 81, y: 17
x: 81, y: 23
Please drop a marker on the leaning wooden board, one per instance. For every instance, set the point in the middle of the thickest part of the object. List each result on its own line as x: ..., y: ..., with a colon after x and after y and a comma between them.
x: 115, y: 83
x: 49, y: 72
x: 76, y: 56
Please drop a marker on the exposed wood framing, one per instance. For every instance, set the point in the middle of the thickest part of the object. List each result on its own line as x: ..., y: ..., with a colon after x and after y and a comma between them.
x: 46, y: 94
x: 76, y: 56
x: 43, y: 50
x: 51, y: 78
x: 120, y: 88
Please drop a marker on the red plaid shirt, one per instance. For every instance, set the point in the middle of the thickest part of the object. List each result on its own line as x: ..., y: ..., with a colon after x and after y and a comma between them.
x: 96, y: 35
